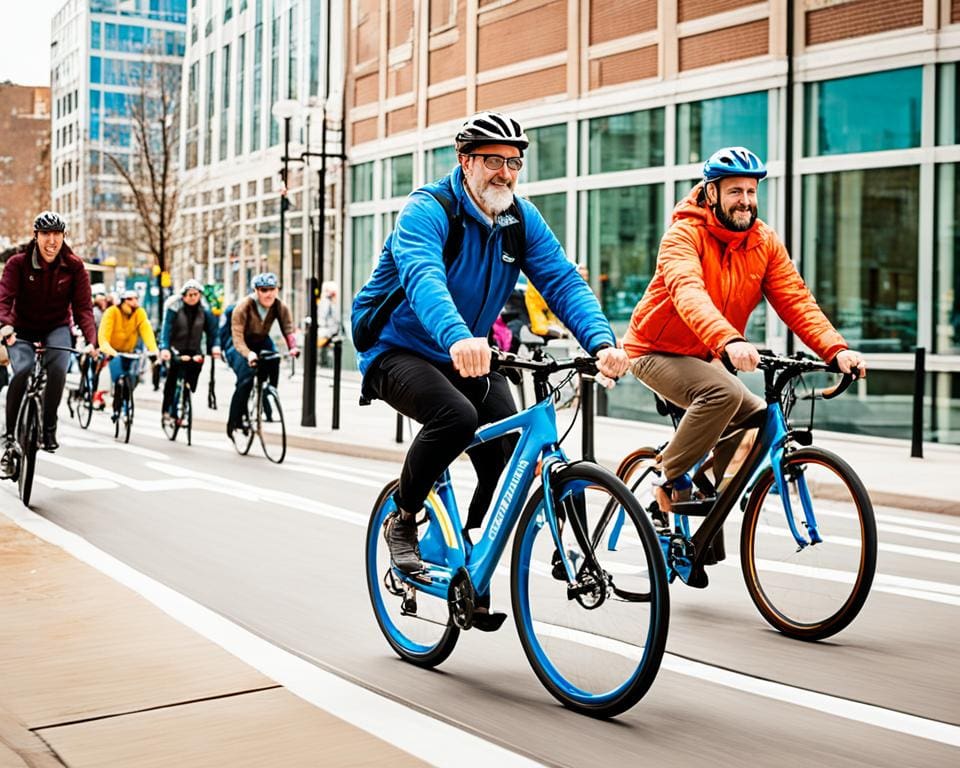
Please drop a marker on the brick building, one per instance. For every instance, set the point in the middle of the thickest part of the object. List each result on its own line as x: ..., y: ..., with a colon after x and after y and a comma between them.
x: 853, y: 104
x: 24, y: 159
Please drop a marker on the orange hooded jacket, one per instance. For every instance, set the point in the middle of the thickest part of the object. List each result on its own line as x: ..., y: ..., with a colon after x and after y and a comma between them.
x: 707, y: 282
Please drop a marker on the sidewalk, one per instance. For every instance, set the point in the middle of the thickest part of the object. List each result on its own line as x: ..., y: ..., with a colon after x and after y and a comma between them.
x: 892, y: 477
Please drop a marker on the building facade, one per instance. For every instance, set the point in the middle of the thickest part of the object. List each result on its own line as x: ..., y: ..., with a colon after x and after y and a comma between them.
x: 24, y: 160
x: 853, y: 104
x: 261, y: 78
x: 107, y: 57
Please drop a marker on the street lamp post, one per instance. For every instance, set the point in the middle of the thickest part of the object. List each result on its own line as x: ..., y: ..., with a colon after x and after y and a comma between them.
x: 285, y: 110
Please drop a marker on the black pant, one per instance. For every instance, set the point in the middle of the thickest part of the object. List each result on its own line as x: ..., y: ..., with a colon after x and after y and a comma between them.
x: 450, y: 408
x: 190, y: 371
x: 22, y: 355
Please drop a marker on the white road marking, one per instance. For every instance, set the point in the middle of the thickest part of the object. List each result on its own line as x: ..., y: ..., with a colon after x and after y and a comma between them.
x: 431, y: 740
x: 883, y: 546
x: 869, y: 714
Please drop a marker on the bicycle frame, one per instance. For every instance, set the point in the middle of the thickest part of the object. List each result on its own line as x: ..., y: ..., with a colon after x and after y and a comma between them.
x: 444, y: 541
x: 768, y: 450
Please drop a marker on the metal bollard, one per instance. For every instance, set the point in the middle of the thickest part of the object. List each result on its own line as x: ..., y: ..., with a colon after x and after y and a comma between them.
x: 337, y: 367
x: 587, y: 385
x: 919, y: 383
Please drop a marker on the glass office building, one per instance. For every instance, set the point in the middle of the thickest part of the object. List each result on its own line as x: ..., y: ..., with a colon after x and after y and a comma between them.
x: 622, y: 121
x: 105, y: 56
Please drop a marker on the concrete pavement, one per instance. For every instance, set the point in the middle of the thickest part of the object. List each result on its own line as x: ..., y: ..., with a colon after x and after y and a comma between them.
x: 92, y: 674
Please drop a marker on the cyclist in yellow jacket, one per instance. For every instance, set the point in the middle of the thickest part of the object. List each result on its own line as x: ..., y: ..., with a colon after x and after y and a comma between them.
x: 121, y: 328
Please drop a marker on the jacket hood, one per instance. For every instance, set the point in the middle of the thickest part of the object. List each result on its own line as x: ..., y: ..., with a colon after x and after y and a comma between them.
x: 689, y: 209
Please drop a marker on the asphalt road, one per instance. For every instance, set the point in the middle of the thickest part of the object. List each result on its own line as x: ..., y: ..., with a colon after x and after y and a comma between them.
x: 279, y: 550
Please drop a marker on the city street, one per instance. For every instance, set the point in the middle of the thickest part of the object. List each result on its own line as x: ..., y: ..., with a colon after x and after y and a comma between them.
x: 279, y: 550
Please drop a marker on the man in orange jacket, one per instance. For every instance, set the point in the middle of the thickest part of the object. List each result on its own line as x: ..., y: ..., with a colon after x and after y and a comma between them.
x: 716, y: 261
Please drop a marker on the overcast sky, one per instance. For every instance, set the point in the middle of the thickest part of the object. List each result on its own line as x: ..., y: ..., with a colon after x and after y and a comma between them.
x: 25, y: 51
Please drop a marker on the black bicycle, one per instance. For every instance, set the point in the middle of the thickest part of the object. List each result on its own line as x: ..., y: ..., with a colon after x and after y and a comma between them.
x: 182, y: 417
x: 26, y: 436
x: 123, y: 396
x: 80, y: 399
x: 264, y: 416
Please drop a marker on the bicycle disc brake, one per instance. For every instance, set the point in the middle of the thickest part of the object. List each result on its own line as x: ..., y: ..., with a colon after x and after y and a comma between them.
x: 461, y: 599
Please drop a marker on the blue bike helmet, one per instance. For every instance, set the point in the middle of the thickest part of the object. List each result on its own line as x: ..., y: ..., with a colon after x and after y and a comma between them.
x: 265, y: 280
x: 733, y: 161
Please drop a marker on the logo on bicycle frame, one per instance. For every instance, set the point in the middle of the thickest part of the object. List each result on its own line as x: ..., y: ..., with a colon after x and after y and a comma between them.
x: 507, y: 498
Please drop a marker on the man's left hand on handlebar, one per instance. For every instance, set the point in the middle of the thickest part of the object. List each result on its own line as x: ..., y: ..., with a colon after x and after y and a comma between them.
x: 612, y: 362
x: 849, y: 359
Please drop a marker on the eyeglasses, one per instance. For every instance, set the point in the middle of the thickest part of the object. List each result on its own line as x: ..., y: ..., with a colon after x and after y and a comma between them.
x: 495, y: 162
x: 266, y: 289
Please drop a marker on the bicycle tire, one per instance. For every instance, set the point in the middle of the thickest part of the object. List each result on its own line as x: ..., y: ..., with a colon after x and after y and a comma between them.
x: 186, y: 420
x: 28, y: 437
x: 271, y: 426
x: 243, y: 440
x: 84, y: 405
x: 806, y: 593
x: 172, y: 426
x: 416, y: 638
x: 128, y: 409
x: 551, y: 620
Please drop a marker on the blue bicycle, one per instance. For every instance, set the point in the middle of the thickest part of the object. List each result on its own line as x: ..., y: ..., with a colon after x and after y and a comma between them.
x: 808, y: 541
x: 593, y: 622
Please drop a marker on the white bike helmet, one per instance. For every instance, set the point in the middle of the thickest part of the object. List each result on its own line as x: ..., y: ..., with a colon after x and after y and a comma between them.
x: 490, y: 128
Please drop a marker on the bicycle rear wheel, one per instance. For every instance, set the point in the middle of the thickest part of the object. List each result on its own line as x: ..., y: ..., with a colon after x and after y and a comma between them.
x: 185, y: 416
x: 84, y: 398
x: 596, y: 648
x: 638, y: 471
x: 28, y: 439
x: 273, y: 432
x: 172, y: 426
x: 127, y: 414
x: 815, y: 592
x: 416, y: 625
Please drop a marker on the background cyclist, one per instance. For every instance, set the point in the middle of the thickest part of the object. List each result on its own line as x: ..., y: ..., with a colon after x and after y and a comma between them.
x: 186, y: 321
x: 122, y: 327
x: 716, y: 261
x: 250, y: 324
x: 432, y: 359
x: 39, y: 289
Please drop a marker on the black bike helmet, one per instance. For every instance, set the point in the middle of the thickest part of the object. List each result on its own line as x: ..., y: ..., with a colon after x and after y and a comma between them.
x: 48, y: 221
x: 490, y: 128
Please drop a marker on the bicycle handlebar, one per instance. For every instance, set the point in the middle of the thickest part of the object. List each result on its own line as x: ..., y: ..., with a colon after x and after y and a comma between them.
x: 585, y: 366
x: 794, y: 366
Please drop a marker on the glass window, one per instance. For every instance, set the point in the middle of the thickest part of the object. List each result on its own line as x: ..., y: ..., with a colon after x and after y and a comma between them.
x: 257, y: 84
x: 398, y: 176
x: 211, y: 108
x: 624, y: 142
x: 388, y: 221
x: 364, y: 255
x: 703, y: 127
x: 315, y: 48
x: 95, y: 35
x: 361, y: 183
x: 227, y: 10
x: 624, y: 226
x: 241, y: 71
x: 884, y: 107
x: 293, y: 36
x: 224, y: 99
x: 94, y: 115
x: 554, y: 210
x: 440, y: 161
x: 95, y: 69
x: 275, y: 76
x: 860, y: 234
x: 546, y: 158
x: 948, y: 105
x: 946, y: 310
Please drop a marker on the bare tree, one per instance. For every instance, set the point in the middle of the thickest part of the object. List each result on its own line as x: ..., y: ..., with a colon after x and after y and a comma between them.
x: 151, y: 174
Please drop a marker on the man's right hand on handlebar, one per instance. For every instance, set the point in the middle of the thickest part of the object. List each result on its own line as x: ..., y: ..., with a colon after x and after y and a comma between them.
x: 165, y: 355
x: 7, y: 335
x: 742, y: 355
x: 847, y: 360
x: 471, y: 357
x: 252, y: 358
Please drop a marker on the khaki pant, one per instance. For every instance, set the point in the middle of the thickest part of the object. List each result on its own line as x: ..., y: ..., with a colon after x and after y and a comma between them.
x: 718, y: 407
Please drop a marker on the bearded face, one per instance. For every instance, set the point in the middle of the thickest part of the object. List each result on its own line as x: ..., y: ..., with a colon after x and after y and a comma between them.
x: 491, y: 189
x: 734, y: 202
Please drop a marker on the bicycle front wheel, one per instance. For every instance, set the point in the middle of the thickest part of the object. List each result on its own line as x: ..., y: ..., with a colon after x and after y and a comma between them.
x: 416, y: 625
x: 28, y: 438
x: 273, y: 432
x: 172, y: 426
x: 84, y: 402
x: 813, y: 592
x: 595, y: 645
x: 185, y: 417
x: 127, y: 416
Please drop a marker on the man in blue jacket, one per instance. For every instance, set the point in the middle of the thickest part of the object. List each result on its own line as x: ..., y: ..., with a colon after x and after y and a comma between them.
x: 430, y: 360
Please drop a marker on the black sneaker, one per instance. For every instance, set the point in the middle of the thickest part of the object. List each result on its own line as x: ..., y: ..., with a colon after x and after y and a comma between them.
x: 8, y: 462
x: 401, y: 538
x: 49, y: 442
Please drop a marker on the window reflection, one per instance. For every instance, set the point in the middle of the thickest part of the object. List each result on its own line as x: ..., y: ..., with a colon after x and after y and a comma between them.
x: 440, y: 161
x: 554, y: 210
x: 361, y: 182
x: 363, y: 250
x: 860, y: 243
x: 625, y: 142
x: 946, y: 316
x: 703, y: 127
x: 546, y: 158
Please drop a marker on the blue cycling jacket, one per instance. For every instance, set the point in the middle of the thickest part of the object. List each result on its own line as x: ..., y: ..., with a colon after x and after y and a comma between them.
x: 442, y: 307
